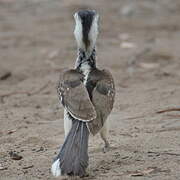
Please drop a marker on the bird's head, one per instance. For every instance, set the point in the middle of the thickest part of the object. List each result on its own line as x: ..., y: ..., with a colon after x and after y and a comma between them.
x: 86, y: 29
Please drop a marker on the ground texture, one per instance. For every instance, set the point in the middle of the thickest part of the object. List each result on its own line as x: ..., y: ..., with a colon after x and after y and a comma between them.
x: 139, y: 43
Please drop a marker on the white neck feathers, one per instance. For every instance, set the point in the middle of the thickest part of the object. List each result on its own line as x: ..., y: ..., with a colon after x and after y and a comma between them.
x: 92, y: 36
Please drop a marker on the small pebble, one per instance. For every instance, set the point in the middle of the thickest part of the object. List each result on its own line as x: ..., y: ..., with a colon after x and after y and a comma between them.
x: 15, y: 156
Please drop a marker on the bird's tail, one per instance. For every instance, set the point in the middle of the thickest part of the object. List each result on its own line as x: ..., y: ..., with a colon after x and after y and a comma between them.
x: 73, y: 156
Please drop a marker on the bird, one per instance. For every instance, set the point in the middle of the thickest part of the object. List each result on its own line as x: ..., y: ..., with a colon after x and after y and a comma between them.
x: 87, y: 94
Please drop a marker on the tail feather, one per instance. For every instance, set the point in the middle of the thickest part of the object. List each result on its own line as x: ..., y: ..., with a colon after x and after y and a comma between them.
x: 73, y: 156
x: 55, y: 169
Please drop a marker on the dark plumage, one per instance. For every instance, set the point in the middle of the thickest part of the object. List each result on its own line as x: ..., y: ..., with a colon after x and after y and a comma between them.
x: 73, y: 156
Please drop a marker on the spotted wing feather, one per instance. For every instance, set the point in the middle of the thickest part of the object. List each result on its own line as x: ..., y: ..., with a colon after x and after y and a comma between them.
x: 103, y: 100
x: 74, y: 96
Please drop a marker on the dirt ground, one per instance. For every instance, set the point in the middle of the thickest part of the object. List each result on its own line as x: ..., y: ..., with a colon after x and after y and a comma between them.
x: 139, y: 43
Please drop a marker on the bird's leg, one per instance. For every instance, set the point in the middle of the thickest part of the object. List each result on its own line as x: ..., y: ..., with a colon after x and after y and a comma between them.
x: 104, y: 135
x: 67, y: 123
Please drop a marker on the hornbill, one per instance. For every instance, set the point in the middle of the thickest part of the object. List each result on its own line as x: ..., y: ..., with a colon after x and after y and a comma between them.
x: 87, y: 95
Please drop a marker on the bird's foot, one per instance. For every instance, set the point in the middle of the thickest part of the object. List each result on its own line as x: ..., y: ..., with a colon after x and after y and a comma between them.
x: 85, y: 175
x: 106, y: 148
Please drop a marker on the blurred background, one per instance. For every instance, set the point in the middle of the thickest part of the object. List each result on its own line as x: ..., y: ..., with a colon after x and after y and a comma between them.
x: 139, y: 43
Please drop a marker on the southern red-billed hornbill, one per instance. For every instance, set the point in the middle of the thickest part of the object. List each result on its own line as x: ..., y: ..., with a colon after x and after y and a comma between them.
x: 87, y: 94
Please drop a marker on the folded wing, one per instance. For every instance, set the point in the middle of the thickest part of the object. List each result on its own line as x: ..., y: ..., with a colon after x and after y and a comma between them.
x: 103, y: 100
x: 74, y: 96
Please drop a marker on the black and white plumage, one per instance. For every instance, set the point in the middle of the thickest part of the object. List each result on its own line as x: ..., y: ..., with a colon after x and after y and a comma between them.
x: 87, y: 94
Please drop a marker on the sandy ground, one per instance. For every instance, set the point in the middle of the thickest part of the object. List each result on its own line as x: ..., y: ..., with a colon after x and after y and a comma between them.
x: 139, y: 43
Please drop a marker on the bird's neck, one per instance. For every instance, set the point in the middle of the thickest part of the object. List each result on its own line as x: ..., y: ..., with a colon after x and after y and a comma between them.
x: 86, y: 61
